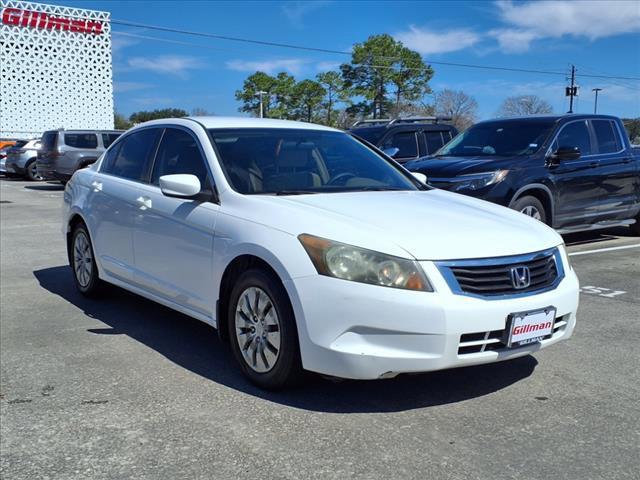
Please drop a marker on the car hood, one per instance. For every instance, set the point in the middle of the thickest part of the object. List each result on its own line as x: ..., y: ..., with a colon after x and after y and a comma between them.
x: 426, y: 225
x: 448, y: 167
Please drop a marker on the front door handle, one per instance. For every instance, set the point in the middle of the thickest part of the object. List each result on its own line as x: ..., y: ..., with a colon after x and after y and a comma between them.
x: 593, y: 164
x: 144, y: 202
x: 97, y: 186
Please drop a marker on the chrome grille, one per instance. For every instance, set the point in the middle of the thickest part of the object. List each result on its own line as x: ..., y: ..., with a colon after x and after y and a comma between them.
x: 493, y: 277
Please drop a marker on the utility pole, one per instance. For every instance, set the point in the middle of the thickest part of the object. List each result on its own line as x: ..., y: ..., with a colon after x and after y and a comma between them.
x: 595, y: 104
x: 260, y: 94
x: 572, y: 91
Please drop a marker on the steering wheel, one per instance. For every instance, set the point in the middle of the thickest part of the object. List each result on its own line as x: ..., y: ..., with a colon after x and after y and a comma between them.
x: 346, y: 176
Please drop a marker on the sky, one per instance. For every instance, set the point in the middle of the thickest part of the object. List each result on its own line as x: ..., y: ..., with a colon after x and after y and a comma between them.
x: 154, y: 69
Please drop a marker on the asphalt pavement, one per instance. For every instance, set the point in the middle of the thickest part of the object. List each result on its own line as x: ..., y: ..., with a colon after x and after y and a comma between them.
x: 122, y: 388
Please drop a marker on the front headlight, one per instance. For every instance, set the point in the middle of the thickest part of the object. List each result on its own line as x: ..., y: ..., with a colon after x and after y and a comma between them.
x: 476, y: 181
x: 565, y: 256
x: 339, y: 260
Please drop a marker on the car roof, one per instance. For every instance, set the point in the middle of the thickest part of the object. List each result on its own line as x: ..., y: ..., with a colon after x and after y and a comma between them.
x: 242, y: 122
x: 553, y: 118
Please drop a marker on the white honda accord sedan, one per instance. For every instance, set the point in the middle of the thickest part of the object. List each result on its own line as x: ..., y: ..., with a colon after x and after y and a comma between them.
x: 309, y: 250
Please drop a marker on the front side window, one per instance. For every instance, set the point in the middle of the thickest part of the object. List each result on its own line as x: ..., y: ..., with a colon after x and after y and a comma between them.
x: 134, y: 154
x: 178, y: 152
x: 434, y: 141
x: 607, y: 136
x: 575, y: 134
x: 508, y: 138
x: 81, y: 140
x: 405, y: 142
x: 290, y: 161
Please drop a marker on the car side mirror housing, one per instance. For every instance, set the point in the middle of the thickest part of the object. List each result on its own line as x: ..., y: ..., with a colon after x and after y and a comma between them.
x: 391, y: 151
x: 421, y: 177
x: 181, y: 185
x: 565, y: 153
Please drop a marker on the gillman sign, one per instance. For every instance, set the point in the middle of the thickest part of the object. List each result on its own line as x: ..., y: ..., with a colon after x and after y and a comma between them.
x: 28, y: 18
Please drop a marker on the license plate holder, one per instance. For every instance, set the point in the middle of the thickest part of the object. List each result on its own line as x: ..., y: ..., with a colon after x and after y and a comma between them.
x: 525, y: 328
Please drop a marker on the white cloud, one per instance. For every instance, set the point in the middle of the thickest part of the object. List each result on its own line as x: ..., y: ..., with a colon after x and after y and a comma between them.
x: 553, y: 19
x: 170, y: 64
x: 296, y: 11
x: 291, y: 65
x: 429, y: 42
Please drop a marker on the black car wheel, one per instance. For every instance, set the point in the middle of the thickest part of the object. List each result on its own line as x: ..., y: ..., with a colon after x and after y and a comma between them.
x: 31, y: 171
x: 262, y: 331
x: 532, y: 207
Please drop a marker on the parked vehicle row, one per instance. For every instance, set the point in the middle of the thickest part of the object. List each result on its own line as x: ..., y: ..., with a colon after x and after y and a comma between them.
x: 311, y: 250
x: 573, y: 172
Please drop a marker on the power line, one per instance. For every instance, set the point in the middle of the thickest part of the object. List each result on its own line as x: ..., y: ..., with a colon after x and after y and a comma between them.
x: 339, y: 52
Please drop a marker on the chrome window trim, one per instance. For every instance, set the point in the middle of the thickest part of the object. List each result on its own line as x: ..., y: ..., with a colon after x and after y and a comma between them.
x: 444, y: 267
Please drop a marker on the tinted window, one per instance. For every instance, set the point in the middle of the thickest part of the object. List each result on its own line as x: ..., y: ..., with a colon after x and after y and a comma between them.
x: 283, y: 161
x: 179, y: 153
x: 405, y: 141
x: 109, y: 138
x: 502, y: 138
x: 49, y: 140
x: 606, y: 135
x: 434, y: 141
x: 575, y: 134
x: 81, y: 140
x: 134, y: 154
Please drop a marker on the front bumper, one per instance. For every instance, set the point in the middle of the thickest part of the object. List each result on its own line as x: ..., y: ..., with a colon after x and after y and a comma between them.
x: 11, y: 166
x: 353, y: 330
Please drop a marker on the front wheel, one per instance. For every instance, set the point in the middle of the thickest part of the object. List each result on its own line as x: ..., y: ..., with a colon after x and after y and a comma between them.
x: 263, y: 332
x: 83, y: 263
x: 531, y: 207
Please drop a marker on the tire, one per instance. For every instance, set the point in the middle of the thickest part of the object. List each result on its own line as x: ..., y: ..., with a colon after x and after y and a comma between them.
x: 532, y: 207
x: 635, y: 227
x: 264, y: 340
x: 83, y: 263
x: 31, y: 172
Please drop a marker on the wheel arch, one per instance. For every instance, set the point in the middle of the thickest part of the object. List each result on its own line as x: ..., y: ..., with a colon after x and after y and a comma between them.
x: 542, y: 193
x: 234, y: 269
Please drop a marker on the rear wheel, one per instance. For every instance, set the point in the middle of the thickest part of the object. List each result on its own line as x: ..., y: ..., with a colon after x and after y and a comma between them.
x: 263, y: 332
x: 31, y: 171
x: 83, y: 263
x: 531, y: 207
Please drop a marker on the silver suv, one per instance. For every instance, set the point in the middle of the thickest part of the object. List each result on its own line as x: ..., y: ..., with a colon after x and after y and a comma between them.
x: 65, y: 151
x: 21, y: 159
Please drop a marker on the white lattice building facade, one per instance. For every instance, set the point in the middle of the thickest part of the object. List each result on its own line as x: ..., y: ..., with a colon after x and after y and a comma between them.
x: 55, y: 69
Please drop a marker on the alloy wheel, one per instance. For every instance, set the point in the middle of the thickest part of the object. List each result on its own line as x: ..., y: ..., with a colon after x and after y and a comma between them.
x: 257, y: 329
x: 82, y: 259
x: 532, y: 212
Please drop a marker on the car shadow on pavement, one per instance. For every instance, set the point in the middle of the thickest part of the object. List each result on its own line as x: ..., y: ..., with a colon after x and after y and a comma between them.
x: 47, y: 187
x: 195, y: 346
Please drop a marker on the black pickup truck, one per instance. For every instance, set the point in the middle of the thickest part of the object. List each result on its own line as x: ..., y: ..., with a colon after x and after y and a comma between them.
x: 573, y: 172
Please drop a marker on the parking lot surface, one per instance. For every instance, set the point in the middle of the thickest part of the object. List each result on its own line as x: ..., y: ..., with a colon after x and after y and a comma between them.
x: 120, y: 387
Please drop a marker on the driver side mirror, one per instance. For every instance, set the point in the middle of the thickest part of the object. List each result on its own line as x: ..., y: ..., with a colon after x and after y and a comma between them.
x: 565, y: 153
x: 391, y: 151
x: 421, y: 177
x: 181, y: 185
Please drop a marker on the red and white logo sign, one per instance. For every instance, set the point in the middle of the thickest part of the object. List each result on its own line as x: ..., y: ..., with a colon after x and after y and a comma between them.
x: 532, y: 326
x: 29, y: 18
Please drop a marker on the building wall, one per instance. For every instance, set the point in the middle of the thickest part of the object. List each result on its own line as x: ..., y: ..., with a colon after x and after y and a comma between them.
x: 55, y: 69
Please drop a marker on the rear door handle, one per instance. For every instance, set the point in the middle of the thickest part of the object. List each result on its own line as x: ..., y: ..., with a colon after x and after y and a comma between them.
x: 144, y: 202
x: 97, y: 186
x: 593, y: 164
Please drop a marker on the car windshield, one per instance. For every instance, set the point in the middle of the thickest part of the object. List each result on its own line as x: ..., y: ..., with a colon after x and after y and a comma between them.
x: 371, y: 135
x: 292, y: 161
x: 502, y: 138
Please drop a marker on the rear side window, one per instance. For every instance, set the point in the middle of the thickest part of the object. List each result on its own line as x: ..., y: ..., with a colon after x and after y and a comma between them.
x: 405, y: 141
x: 178, y: 152
x: 608, y: 139
x: 133, y: 155
x: 49, y: 140
x: 575, y: 134
x: 109, y: 138
x: 81, y: 140
x: 435, y: 141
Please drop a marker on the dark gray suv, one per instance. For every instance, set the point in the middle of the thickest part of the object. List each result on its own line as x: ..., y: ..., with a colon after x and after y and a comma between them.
x: 65, y: 151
